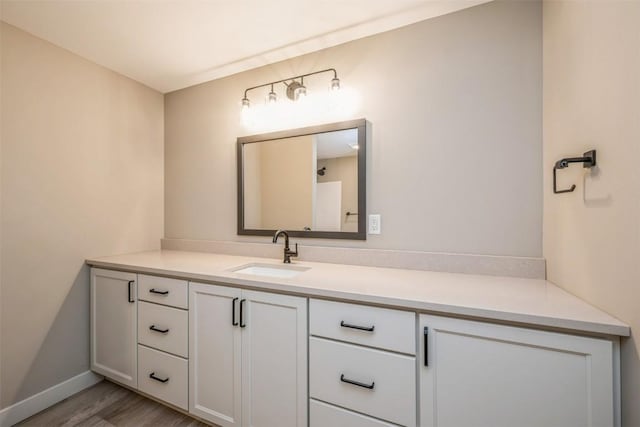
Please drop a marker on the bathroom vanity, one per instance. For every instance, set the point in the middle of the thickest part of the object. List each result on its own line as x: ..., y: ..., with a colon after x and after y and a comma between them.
x: 241, y: 341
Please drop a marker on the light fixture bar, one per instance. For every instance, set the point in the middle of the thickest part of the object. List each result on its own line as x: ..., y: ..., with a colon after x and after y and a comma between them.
x: 301, y: 76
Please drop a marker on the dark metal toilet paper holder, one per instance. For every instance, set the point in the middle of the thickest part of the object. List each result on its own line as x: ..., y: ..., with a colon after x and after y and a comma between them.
x: 588, y: 161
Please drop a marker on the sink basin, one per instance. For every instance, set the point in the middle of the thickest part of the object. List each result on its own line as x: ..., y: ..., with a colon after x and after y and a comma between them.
x: 271, y: 270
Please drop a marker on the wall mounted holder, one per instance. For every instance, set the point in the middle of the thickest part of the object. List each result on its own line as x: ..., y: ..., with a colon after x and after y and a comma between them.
x: 588, y: 161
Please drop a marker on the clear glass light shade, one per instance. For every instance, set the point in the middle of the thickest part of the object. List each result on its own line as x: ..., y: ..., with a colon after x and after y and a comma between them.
x: 246, y: 112
x: 301, y: 93
x: 272, y: 97
x: 335, y: 83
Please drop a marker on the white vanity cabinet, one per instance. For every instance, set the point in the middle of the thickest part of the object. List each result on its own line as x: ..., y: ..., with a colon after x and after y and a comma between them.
x: 362, y: 365
x: 481, y: 374
x: 248, y: 357
x: 113, y: 325
x: 139, y: 333
x: 244, y: 358
x: 163, y: 336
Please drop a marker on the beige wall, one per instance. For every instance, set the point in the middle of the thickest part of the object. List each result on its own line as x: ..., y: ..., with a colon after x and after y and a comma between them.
x: 455, y: 154
x: 592, y: 100
x: 81, y: 176
x: 286, y: 180
x: 251, y: 165
x: 1, y: 236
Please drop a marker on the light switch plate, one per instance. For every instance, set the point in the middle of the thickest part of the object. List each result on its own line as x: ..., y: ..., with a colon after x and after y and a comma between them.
x: 374, y: 224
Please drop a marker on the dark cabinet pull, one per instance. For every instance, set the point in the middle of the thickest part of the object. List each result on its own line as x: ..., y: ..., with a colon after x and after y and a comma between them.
x: 426, y: 346
x: 242, y: 324
x: 129, y: 297
x: 359, y: 384
x: 152, y: 375
x: 233, y: 312
x: 162, y: 331
x: 154, y: 291
x: 360, y: 328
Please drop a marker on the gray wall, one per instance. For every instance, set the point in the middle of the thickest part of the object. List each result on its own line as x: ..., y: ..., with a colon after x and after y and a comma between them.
x: 81, y: 176
x: 592, y: 100
x: 455, y: 107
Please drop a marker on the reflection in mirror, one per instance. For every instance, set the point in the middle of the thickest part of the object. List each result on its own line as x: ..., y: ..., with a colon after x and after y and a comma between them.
x: 336, y: 204
x: 307, y: 181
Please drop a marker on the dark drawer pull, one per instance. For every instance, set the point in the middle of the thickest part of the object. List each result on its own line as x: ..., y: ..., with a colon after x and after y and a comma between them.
x: 233, y: 312
x: 242, y: 323
x: 359, y: 384
x: 129, y: 285
x: 426, y: 346
x: 152, y: 375
x: 162, y: 331
x: 360, y: 328
x: 154, y: 291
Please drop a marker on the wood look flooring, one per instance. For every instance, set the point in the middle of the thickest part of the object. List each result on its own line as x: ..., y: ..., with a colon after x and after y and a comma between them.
x: 109, y: 405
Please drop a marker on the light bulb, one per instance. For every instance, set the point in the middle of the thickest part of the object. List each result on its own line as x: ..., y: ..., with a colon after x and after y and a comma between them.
x: 272, y: 97
x: 245, y: 111
x: 247, y: 117
x: 335, y: 83
x: 301, y: 93
x: 245, y: 104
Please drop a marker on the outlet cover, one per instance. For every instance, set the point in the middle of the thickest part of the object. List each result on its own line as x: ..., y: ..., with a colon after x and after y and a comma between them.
x: 374, y: 224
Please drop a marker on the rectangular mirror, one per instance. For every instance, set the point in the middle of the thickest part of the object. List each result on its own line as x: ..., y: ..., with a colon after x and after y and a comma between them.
x: 309, y: 181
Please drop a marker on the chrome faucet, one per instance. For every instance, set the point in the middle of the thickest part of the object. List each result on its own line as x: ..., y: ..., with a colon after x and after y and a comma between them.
x: 288, y: 253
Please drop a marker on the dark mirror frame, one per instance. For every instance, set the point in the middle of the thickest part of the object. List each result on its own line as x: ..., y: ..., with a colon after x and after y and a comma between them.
x: 361, y: 125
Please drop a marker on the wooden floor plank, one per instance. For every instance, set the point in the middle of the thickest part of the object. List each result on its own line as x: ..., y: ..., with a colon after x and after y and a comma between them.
x: 109, y: 405
x: 95, y: 421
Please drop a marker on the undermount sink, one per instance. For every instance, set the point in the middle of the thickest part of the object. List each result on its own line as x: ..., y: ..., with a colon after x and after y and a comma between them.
x: 270, y: 270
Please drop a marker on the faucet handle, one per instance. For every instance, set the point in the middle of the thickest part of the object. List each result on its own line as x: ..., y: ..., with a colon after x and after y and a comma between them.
x: 292, y: 253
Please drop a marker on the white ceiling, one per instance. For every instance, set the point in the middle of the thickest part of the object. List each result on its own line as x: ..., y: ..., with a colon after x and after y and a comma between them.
x: 330, y: 145
x: 169, y: 45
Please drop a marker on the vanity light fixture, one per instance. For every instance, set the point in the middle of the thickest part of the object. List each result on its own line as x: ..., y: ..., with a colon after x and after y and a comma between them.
x: 295, y: 89
x: 245, y: 103
x: 272, y: 97
x: 301, y: 93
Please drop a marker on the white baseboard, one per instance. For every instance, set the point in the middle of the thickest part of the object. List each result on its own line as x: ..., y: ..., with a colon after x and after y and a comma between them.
x: 32, y: 405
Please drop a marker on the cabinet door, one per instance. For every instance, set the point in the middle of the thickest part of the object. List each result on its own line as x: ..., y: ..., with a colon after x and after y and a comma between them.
x: 214, y: 354
x: 113, y: 325
x: 481, y: 374
x: 274, y: 360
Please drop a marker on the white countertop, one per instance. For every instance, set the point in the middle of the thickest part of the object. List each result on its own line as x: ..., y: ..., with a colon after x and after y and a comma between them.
x: 524, y: 301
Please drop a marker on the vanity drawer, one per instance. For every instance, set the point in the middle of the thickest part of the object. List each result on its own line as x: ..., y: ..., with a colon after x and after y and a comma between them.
x: 170, y: 373
x: 371, y: 326
x: 324, y: 415
x: 172, y: 320
x: 163, y: 290
x: 387, y: 381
